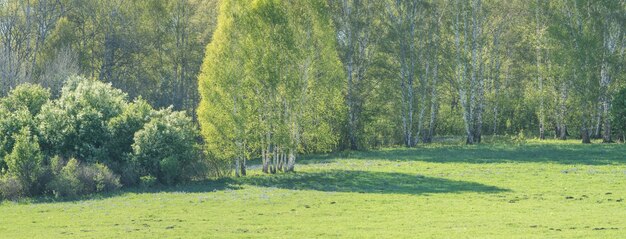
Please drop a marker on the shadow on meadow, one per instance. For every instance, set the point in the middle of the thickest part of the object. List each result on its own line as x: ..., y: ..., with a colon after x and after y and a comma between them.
x: 597, y: 154
x: 366, y: 182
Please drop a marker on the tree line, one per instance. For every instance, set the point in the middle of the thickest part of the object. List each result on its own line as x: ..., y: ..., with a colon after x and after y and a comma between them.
x: 149, y: 48
x: 549, y: 68
x: 280, y: 78
x: 408, y: 71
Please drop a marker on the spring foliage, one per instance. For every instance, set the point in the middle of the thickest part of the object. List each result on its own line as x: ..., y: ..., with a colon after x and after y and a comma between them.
x: 269, y: 83
x: 108, y: 140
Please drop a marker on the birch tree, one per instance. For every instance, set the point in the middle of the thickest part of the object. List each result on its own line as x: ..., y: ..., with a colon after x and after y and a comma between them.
x: 468, y: 27
x: 354, y: 23
x: 403, y: 22
x: 269, y: 83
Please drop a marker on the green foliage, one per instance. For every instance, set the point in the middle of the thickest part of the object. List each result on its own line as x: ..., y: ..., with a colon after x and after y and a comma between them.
x: 26, y: 96
x: 76, y: 179
x: 166, y: 146
x: 25, y: 162
x: 11, y: 188
x: 170, y: 170
x: 11, y: 123
x: 66, y: 182
x: 127, y: 43
x: 148, y: 181
x: 215, y: 167
x: 109, y: 140
x: 618, y: 112
x: 75, y: 125
x: 121, y: 130
x: 248, y: 104
x: 520, y: 138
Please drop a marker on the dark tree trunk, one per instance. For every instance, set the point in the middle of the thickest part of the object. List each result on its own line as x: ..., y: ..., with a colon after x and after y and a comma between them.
x: 584, y: 132
x: 243, y: 167
x: 563, y: 132
x: 607, y: 127
x: 606, y: 138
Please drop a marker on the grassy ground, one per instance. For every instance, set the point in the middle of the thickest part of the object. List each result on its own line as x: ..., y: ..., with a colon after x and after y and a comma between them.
x: 536, y: 190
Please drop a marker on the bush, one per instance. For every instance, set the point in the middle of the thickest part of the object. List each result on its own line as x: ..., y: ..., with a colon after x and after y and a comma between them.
x: 79, y: 93
x: 76, y: 123
x: 217, y: 167
x: 16, y: 112
x: 98, y: 178
x: 148, y: 181
x: 66, y: 183
x: 25, y: 162
x: 26, y: 96
x: 11, y: 123
x: 122, y: 131
x: 109, y: 141
x: 520, y: 138
x: 57, y: 129
x: 10, y: 188
x: 75, y: 179
x: 166, y: 146
x: 129, y: 173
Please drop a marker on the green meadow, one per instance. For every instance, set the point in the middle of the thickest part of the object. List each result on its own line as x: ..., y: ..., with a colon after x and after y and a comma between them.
x: 534, y: 190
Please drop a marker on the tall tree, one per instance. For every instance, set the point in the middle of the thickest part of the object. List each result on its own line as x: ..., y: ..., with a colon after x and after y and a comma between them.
x: 354, y: 23
x: 279, y: 93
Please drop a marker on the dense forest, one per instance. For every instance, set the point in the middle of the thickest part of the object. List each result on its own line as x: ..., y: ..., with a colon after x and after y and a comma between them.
x: 272, y: 79
x: 148, y: 48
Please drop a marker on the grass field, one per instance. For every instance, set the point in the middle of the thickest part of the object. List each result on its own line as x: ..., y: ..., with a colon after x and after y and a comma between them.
x: 537, y: 190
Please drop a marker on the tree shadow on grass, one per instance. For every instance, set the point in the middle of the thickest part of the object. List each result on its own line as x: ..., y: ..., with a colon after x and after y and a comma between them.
x: 597, y: 154
x: 367, y: 182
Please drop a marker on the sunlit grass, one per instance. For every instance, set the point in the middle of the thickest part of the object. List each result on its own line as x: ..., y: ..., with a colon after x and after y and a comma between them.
x: 528, y: 190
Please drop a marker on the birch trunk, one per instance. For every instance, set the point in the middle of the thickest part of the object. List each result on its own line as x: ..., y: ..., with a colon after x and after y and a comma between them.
x: 291, y: 163
x: 237, y: 167
x: 434, y: 107
x: 265, y: 161
x: 611, y: 36
x: 461, y: 69
x: 422, y: 110
x: 563, y: 112
x: 542, y: 119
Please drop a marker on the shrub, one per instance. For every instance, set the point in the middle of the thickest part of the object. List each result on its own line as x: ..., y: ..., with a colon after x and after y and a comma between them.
x: 56, y: 128
x: 11, y: 123
x: 109, y: 141
x: 10, y: 188
x: 148, y: 181
x: 25, y: 162
x: 122, y: 129
x: 66, y: 182
x: 520, y: 138
x: 26, y: 96
x: 76, y: 123
x: 79, y: 93
x: 166, y: 146
x: 217, y: 167
x: 75, y: 179
x: 129, y: 173
x: 56, y: 165
x: 98, y: 178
